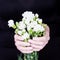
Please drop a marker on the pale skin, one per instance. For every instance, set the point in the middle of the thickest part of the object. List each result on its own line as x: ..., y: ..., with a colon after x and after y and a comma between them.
x: 36, y: 44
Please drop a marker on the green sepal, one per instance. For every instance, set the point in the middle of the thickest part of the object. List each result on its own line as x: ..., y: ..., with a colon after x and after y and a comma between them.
x: 17, y: 24
x: 14, y: 26
x: 16, y: 31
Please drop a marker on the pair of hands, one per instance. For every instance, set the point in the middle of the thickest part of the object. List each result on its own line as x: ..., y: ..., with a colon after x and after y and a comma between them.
x: 36, y: 44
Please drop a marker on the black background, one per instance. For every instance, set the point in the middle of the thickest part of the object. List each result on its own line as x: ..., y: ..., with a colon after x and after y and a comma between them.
x: 48, y: 10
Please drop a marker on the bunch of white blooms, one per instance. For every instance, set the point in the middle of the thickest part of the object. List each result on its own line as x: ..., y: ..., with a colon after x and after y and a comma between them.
x: 28, y: 15
x: 31, y: 25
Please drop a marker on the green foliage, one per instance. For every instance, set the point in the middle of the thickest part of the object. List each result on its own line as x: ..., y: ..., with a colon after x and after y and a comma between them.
x: 17, y: 24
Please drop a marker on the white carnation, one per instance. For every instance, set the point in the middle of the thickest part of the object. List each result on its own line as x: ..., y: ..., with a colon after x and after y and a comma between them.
x: 26, y: 21
x: 36, y: 15
x: 28, y: 15
x: 28, y: 27
x: 33, y: 24
x: 38, y: 28
x: 21, y: 25
x: 39, y: 20
x: 10, y: 23
x: 25, y: 36
x: 20, y: 32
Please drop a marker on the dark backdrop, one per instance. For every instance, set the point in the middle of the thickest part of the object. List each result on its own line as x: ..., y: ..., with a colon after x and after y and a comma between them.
x: 48, y: 10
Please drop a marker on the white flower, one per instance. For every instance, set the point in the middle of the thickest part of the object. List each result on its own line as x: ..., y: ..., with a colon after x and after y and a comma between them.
x: 25, y: 36
x: 21, y: 25
x: 36, y: 15
x: 32, y: 24
x: 39, y: 28
x: 39, y: 20
x: 28, y: 15
x: 20, y: 32
x: 10, y: 23
x: 28, y: 27
x: 23, y: 30
x: 26, y: 21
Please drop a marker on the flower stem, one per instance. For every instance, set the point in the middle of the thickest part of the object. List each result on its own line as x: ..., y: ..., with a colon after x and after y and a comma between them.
x: 36, y: 55
x: 20, y: 57
x: 32, y: 56
x: 27, y: 57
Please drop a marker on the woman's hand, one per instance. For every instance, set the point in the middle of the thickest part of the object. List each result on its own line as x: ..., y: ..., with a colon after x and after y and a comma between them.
x: 23, y: 47
x: 39, y: 43
x: 36, y: 44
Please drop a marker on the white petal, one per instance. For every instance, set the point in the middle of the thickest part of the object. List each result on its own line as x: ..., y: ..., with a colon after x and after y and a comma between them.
x: 21, y: 25
x: 28, y: 15
x: 39, y: 28
x: 39, y: 20
x: 10, y: 23
x: 36, y: 15
x: 25, y: 36
x: 19, y: 32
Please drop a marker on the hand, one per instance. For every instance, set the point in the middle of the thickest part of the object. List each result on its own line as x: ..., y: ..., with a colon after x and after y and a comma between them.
x: 36, y: 44
x: 23, y: 47
x: 39, y: 43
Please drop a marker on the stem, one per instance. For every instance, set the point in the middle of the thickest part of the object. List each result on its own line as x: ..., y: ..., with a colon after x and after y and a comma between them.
x: 20, y: 57
x: 36, y: 55
x: 25, y: 58
x: 28, y: 57
x: 32, y: 56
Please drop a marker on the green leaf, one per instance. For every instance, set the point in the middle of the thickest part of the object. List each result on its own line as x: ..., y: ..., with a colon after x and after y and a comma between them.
x: 30, y: 31
x: 34, y: 34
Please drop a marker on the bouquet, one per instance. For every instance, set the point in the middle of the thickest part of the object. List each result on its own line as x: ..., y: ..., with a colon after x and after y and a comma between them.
x: 30, y: 26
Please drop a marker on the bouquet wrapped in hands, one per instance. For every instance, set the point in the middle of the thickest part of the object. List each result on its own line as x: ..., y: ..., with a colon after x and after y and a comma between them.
x: 30, y: 26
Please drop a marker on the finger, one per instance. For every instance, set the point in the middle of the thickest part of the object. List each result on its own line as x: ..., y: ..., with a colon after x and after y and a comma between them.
x: 47, y: 30
x: 17, y: 37
x: 39, y: 38
x: 36, y: 49
x: 36, y: 46
x: 35, y: 42
x: 47, y: 36
x: 45, y: 43
x: 20, y: 43
x: 26, y: 52
x: 24, y: 48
